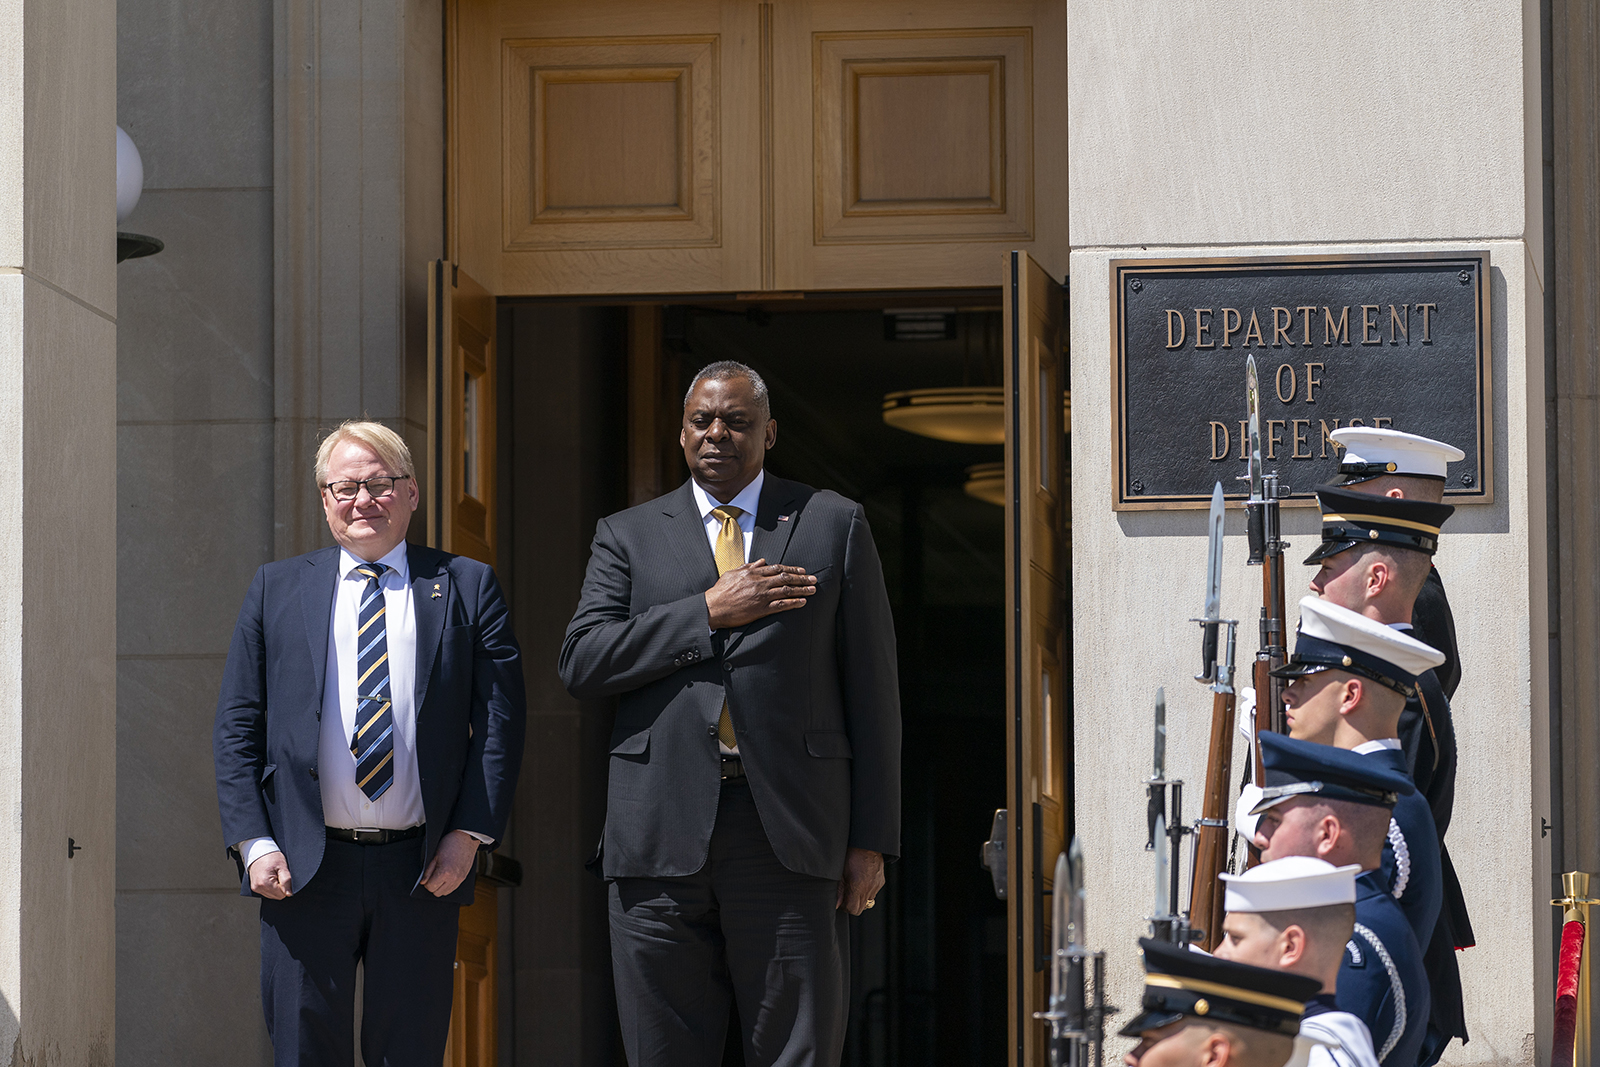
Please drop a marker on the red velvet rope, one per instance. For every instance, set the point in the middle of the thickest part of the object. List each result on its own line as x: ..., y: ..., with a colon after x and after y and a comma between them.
x: 1567, y: 995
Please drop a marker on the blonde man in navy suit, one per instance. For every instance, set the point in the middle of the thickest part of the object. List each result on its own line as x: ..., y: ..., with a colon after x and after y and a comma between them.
x: 367, y: 741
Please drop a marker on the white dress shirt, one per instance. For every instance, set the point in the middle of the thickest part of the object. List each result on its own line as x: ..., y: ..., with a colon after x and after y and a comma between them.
x: 1376, y: 746
x: 343, y: 802
x: 747, y: 501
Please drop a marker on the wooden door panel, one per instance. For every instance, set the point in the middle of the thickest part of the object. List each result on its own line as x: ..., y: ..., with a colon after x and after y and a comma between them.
x: 605, y: 147
x: 1039, y: 778
x: 937, y: 138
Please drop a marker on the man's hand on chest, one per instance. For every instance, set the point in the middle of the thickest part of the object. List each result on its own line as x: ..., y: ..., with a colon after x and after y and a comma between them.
x: 756, y: 590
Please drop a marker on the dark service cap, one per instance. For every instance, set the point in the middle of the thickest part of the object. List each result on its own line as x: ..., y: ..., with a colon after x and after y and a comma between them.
x: 1300, y: 768
x: 1350, y: 519
x: 1179, y: 983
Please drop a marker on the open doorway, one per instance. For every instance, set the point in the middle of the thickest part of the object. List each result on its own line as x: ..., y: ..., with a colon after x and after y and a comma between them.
x: 929, y: 963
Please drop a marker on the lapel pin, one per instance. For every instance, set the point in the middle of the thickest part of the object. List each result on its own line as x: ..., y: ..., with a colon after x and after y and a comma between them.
x: 783, y: 518
x: 436, y: 593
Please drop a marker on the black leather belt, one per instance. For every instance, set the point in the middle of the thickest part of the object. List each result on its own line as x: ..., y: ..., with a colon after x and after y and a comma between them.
x: 372, y: 837
x: 732, y: 767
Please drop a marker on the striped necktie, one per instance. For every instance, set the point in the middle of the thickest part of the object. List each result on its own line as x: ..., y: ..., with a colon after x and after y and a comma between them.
x: 729, y: 553
x: 373, y: 743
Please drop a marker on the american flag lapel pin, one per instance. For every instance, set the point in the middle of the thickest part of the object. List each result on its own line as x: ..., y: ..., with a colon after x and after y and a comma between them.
x: 783, y: 518
x: 436, y: 593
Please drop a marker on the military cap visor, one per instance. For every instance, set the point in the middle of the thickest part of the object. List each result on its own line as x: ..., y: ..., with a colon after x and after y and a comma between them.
x: 1350, y: 519
x: 1304, y: 768
x: 1181, y: 984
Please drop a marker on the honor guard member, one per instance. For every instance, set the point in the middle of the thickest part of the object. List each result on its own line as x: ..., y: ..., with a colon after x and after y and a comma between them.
x: 1296, y: 915
x: 1350, y: 677
x: 1372, y: 560
x: 1200, y: 1011
x: 1333, y: 804
x: 1383, y: 462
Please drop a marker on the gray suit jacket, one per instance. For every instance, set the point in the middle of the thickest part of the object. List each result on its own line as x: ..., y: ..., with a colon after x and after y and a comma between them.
x: 813, y: 693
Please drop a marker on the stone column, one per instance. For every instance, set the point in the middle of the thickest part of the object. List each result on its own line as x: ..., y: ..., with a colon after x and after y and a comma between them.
x: 358, y: 210
x: 58, y: 486
x: 1574, y: 151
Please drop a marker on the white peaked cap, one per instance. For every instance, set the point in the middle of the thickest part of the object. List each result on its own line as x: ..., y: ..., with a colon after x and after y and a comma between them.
x: 1409, y: 453
x: 1292, y: 882
x: 1352, y: 630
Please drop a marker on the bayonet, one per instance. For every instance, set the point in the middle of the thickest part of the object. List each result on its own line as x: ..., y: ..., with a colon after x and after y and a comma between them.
x: 1077, y: 1008
x: 1255, y: 525
x: 1155, y: 788
x: 1213, y: 609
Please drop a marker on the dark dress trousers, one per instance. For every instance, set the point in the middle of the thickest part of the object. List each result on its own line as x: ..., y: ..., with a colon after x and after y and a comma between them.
x: 354, y: 901
x: 727, y: 889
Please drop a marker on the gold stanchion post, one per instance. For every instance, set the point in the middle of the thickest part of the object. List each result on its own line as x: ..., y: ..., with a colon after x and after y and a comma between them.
x: 1574, y: 907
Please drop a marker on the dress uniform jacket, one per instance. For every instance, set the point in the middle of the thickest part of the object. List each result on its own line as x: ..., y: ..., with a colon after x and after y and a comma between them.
x: 1433, y: 624
x: 1411, y: 856
x: 1381, y: 981
x: 1429, y: 742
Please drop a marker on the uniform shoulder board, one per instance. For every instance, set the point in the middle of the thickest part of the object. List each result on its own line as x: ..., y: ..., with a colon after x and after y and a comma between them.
x: 1357, y: 958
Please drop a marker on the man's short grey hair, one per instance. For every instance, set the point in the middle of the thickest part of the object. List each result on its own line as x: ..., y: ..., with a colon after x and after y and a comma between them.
x: 726, y: 369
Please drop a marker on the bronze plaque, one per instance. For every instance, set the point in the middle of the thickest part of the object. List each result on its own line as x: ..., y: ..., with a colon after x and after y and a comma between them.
x: 1397, y: 340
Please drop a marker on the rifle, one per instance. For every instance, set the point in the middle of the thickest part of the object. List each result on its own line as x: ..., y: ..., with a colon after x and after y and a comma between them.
x: 1266, y: 552
x: 1078, y: 1008
x: 1211, y: 831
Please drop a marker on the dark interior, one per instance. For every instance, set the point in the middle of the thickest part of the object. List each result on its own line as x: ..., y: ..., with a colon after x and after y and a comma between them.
x: 929, y: 981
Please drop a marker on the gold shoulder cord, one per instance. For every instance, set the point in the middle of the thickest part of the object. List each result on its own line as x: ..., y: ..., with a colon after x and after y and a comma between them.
x: 1427, y: 717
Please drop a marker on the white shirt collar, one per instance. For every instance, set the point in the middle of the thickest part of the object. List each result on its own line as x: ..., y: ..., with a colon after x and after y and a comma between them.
x: 748, y: 500
x: 1376, y: 746
x: 1401, y: 626
x: 395, y: 560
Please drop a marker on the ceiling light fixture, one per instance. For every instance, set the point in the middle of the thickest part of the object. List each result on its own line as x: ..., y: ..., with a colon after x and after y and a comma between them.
x: 969, y: 415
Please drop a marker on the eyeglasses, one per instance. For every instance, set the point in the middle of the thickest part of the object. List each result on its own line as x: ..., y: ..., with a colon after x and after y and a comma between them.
x: 377, y: 488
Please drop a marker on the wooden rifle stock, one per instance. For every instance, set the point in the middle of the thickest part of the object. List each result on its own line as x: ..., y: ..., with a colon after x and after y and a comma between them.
x: 1211, y: 836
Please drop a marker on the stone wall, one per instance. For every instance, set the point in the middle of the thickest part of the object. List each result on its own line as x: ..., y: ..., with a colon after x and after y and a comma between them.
x: 1210, y: 129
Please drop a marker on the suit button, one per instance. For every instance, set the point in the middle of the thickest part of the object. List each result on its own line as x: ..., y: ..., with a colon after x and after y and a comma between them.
x: 711, y: 731
x: 313, y: 774
x: 727, y: 666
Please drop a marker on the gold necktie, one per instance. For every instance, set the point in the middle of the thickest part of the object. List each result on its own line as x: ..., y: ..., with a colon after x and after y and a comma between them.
x: 729, y: 553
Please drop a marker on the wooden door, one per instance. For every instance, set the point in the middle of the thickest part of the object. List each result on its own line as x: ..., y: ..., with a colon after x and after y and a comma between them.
x: 461, y: 414
x: 714, y: 146
x: 1038, y: 749
x: 461, y: 506
x: 473, y: 1030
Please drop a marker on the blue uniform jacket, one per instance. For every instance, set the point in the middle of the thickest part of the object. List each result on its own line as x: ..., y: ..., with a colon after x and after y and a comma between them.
x: 1381, y: 981
x: 1417, y: 879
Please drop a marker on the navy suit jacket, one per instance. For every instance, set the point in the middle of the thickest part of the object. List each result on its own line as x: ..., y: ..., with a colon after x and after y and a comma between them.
x: 813, y: 693
x: 469, y: 700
